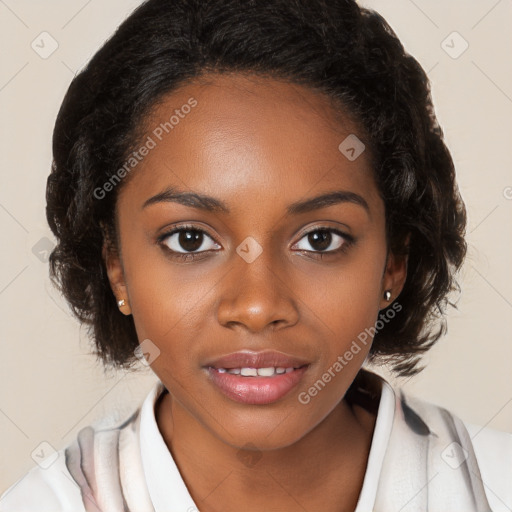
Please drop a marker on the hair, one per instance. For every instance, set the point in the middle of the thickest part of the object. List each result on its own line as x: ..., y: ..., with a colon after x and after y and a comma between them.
x: 348, y: 53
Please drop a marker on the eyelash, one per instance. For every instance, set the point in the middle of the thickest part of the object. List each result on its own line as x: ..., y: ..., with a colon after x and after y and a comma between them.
x: 191, y: 256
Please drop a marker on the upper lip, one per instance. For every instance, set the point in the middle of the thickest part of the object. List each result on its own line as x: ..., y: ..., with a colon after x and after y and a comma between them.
x: 250, y: 359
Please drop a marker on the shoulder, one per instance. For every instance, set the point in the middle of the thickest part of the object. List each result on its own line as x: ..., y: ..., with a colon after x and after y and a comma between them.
x: 101, y: 467
x: 87, y: 469
x: 45, y: 488
x: 492, y: 450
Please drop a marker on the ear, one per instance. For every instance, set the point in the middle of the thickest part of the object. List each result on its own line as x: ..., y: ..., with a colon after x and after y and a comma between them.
x: 115, y: 275
x: 394, y: 276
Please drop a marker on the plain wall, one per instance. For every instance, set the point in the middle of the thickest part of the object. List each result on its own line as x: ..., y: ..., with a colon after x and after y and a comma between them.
x: 50, y: 386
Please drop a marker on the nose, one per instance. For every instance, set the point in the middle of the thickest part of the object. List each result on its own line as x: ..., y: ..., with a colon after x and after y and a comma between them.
x: 257, y: 296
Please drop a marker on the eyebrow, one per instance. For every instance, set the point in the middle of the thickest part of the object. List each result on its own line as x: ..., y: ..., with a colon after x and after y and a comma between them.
x: 211, y: 204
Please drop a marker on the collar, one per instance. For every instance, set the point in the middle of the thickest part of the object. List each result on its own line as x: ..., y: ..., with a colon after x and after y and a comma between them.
x: 165, y: 485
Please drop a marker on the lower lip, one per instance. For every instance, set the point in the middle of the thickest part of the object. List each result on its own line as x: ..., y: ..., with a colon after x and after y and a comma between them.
x: 256, y: 390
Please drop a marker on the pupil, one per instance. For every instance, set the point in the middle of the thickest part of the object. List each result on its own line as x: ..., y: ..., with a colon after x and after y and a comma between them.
x: 320, y: 240
x: 190, y: 240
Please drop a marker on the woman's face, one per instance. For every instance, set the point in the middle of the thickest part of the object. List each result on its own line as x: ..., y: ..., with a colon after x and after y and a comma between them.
x: 261, y: 264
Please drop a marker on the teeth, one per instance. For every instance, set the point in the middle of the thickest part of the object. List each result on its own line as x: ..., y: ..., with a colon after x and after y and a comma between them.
x: 256, y: 372
x: 266, y: 372
x: 249, y: 372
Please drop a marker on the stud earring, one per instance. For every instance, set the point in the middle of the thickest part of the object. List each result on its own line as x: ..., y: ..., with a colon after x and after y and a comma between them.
x: 387, y: 295
x: 121, y: 303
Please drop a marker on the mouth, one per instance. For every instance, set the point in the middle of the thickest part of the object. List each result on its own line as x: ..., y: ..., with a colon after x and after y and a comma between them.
x: 256, y: 378
x: 269, y: 371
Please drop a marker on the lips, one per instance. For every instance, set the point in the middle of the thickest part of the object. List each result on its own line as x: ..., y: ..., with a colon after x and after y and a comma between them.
x: 256, y: 378
x: 265, y: 359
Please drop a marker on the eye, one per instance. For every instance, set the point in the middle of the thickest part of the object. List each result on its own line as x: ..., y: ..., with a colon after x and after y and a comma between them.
x: 186, y: 240
x: 327, y: 240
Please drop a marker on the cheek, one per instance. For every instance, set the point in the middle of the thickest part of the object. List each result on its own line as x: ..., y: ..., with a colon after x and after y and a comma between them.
x: 166, y: 300
x: 347, y: 300
x: 346, y: 305
x: 347, y: 308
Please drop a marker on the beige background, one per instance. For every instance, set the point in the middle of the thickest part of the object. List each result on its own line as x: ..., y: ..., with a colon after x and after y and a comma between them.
x: 50, y: 387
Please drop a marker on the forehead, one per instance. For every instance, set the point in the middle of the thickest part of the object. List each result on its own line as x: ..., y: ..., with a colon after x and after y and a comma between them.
x: 246, y: 134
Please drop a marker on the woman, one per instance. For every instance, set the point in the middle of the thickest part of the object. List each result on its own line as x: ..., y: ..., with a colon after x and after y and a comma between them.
x: 255, y: 199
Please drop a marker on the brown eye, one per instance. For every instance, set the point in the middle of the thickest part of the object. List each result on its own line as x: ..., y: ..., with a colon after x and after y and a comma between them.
x: 190, y: 240
x: 323, y: 240
x: 185, y: 240
x: 320, y: 240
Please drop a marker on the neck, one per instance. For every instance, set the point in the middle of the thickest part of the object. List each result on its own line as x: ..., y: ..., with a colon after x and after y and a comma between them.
x: 324, y: 470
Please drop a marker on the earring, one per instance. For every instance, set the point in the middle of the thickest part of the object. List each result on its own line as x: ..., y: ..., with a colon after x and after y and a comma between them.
x: 121, y: 303
x: 387, y: 295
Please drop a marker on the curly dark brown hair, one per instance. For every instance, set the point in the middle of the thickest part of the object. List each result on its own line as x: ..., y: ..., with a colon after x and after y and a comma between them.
x: 348, y: 53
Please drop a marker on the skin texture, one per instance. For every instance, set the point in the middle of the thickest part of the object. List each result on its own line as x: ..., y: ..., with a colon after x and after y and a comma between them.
x: 258, y: 145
